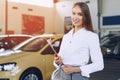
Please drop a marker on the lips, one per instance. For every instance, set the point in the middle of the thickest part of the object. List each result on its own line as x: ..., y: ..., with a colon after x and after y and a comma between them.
x: 75, y: 22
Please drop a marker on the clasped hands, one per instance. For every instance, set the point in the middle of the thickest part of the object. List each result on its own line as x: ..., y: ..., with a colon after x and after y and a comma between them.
x: 68, y: 69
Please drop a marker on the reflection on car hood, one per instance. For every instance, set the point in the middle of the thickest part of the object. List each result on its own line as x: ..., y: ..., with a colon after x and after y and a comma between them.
x: 9, y: 52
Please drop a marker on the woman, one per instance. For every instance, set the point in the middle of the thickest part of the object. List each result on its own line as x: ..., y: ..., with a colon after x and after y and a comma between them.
x: 80, y: 46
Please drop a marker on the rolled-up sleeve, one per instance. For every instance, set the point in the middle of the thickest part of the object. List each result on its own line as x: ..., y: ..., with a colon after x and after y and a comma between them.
x: 96, y: 57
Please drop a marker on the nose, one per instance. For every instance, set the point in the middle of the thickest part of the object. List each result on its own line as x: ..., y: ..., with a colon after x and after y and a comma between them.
x: 75, y: 17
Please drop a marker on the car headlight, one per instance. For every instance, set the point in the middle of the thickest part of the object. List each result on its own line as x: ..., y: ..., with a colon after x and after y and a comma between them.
x: 7, y: 66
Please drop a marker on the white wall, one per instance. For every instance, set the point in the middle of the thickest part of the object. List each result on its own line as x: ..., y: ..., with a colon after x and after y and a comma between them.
x: 63, y: 9
x: 15, y: 16
x: 2, y: 16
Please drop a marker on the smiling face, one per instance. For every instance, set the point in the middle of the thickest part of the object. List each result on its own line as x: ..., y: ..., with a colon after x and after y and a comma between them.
x: 77, y: 16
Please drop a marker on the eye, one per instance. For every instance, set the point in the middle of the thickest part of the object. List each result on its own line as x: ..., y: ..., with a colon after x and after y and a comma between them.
x: 80, y: 14
x: 73, y: 13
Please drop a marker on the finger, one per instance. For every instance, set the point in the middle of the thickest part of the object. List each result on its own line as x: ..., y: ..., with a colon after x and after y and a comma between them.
x: 56, y: 58
x: 55, y: 55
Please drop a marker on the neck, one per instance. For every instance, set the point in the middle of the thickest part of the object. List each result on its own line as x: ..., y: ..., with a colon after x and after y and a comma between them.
x: 77, y: 29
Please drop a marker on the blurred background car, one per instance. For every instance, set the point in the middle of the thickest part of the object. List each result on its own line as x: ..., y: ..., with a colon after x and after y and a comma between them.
x: 9, y: 41
x: 31, y: 59
x: 110, y: 46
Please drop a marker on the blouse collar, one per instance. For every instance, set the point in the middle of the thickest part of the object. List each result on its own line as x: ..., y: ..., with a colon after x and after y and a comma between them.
x: 78, y: 32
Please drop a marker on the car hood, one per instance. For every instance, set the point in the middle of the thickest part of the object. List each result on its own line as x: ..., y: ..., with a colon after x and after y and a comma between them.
x: 9, y: 52
x: 12, y: 56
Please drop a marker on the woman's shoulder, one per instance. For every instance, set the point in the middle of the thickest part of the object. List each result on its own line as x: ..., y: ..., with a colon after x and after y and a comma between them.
x: 92, y: 35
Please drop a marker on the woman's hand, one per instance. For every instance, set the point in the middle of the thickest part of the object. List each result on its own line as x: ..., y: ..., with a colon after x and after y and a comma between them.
x: 70, y: 69
x: 57, y: 59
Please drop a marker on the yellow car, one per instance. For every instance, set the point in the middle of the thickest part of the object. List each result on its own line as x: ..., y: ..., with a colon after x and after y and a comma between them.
x: 30, y: 60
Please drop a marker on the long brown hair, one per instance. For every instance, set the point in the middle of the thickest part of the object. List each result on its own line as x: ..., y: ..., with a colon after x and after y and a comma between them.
x: 86, y: 15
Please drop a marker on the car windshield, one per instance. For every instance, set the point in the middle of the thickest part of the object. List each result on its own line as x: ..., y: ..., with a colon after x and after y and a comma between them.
x: 10, y: 42
x: 34, y: 45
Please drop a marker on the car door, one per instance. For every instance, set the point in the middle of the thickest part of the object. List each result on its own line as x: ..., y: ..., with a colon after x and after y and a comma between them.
x: 49, y: 52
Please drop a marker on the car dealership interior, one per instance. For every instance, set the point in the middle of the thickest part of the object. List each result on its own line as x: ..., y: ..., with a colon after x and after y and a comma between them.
x: 31, y: 32
x: 53, y: 16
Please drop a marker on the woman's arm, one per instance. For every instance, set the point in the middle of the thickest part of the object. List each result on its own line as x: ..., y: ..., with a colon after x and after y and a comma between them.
x: 96, y: 57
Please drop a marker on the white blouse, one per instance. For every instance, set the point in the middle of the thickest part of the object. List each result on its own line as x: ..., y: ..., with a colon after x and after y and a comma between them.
x: 78, y: 49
